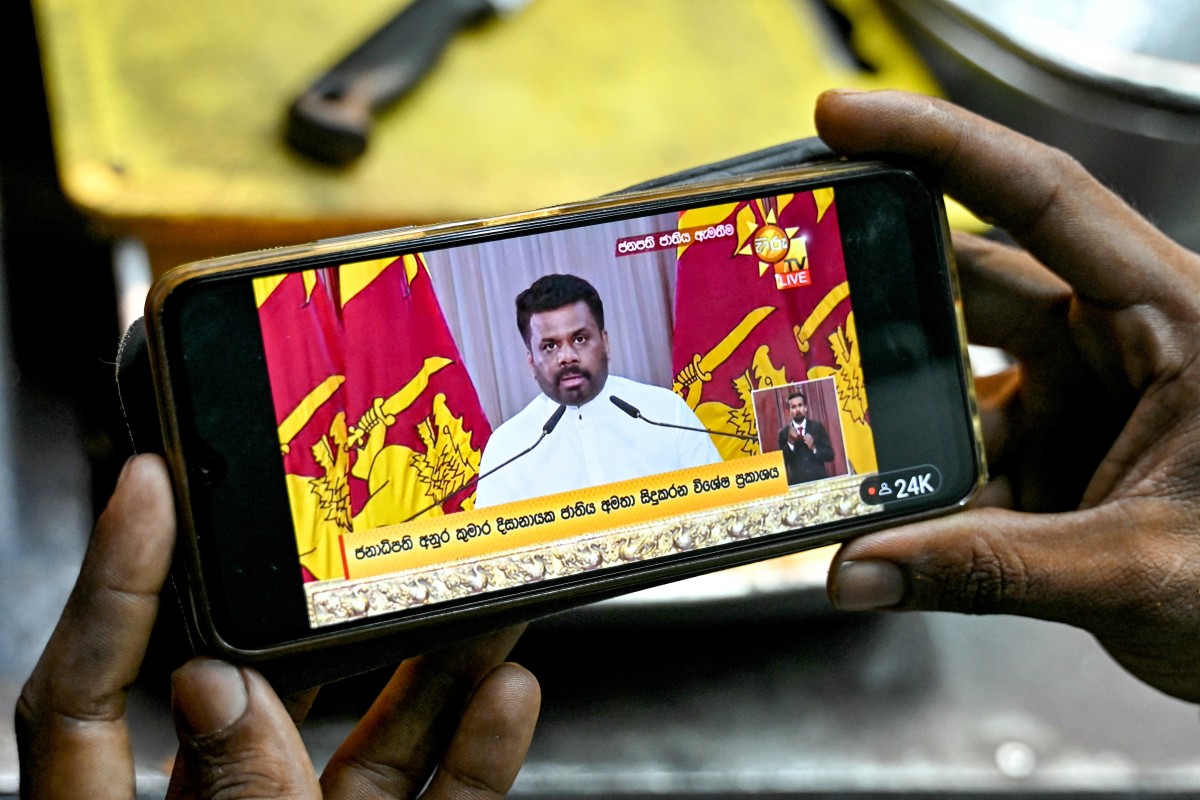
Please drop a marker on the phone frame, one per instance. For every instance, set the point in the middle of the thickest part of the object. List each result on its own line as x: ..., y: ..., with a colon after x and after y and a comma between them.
x: 506, y: 608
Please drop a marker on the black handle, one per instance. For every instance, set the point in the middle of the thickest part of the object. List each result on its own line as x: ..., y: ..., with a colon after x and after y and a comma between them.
x: 331, y: 121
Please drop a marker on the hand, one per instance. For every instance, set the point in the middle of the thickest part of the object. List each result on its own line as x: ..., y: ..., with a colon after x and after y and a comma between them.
x: 808, y: 440
x: 793, y: 434
x: 458, y: 711
x: 1093, y: 440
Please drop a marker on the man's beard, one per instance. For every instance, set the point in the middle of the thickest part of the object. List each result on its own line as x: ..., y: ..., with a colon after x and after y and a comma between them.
x: 573, y: 392
x: 587, y: 389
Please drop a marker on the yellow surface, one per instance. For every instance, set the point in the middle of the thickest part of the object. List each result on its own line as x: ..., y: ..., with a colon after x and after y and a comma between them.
x: 168, y: 116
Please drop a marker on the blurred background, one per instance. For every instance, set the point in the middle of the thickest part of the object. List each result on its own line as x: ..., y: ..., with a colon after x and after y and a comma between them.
x: 139, y: 135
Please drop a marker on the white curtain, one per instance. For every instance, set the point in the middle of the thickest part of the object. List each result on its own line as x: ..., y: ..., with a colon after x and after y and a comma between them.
x: 477, y: 287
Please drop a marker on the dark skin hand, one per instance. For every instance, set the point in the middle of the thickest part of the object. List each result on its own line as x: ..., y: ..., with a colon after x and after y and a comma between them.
x: 459, y: 715
x: 1093, y: 518
x: 1092, y: 513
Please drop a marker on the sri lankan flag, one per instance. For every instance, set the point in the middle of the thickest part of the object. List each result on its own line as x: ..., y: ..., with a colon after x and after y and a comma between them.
x: 376, y: 414
x: 765, y: 303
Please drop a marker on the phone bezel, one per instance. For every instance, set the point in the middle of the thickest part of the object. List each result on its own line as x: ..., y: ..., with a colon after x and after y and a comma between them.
x: 213, y: 607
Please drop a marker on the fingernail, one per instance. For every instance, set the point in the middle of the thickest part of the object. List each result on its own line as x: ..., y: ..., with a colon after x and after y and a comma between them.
x: 209, y: 694
x: 125, y: 469
x: 844, y: 91
x: 861, y: 585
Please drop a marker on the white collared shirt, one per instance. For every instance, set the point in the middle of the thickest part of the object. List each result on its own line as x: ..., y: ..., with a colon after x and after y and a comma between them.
x: 593, y: 444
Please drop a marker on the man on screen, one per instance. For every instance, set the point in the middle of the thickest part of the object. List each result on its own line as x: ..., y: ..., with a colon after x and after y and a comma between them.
x: 561, y: 319
x: 804, y: 443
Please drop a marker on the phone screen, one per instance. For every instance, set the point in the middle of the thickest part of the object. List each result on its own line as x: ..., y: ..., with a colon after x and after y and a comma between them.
x: 458, y: 420
x: 475, y: 418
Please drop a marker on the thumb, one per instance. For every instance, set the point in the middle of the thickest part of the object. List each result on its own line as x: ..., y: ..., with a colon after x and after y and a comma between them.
x: 1063, y: 567
x: 1128, y: 571
x: 235, y: 737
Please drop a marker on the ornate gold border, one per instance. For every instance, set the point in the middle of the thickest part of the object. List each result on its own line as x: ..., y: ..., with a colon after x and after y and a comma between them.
x: 804, y: 506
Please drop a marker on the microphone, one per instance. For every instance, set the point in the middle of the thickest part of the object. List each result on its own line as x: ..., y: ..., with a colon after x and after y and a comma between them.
x: 626, y: 407
x: 546, y: 429
x: 632, y: 411
x: 549, y: 426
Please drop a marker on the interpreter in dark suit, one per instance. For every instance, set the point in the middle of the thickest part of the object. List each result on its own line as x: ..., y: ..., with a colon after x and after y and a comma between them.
x: 804, y: 444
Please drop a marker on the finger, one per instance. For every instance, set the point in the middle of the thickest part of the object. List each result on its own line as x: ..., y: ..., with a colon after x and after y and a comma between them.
x: 1035, y: 462
x: 236, y: 739
x: 298, y: 705
x: 393, y: 750
x: 1010, y: 301
x: 71, y: 729
x: 996, y: 399
x: 1136, y: 592
x: 997, y: 493
x: 1070, y: 567
x: 1045, y: 199
x: 489, y: 746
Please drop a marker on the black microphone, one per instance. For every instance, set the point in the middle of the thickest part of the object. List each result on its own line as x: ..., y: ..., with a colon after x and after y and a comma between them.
x: 626, y: 407
x: 549, y: 426
x: 632, y: 411
x: 546, y: 429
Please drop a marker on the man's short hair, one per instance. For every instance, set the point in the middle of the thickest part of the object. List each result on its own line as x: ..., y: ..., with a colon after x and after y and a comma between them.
x: 796, y: 394
x: 555, y: 291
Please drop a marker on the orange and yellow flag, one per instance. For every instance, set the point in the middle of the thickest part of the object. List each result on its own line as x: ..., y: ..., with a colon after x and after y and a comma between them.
x: 377, y: 416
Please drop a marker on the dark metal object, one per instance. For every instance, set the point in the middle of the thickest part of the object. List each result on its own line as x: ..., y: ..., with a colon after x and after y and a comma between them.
x: 331, y: 121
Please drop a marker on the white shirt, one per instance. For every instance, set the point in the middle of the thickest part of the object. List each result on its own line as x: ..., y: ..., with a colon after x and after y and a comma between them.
x: 593, y: 444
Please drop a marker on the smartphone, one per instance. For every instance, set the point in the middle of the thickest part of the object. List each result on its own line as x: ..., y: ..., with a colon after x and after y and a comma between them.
x: 441, y: 429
